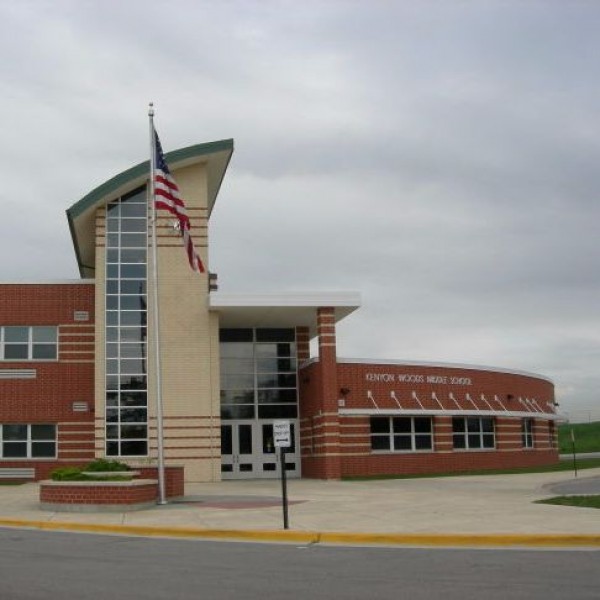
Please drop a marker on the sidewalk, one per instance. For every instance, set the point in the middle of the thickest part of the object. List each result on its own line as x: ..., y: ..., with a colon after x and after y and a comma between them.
x: 472, y: 507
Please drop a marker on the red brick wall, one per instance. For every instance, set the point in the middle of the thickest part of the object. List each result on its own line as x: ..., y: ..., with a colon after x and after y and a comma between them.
x: 174, y: 479
x: 58, y: 384
x: 472, y: 390
x: 104, y: 493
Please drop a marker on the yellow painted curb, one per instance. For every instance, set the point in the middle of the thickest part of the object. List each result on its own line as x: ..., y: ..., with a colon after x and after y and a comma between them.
x: 312, y: 537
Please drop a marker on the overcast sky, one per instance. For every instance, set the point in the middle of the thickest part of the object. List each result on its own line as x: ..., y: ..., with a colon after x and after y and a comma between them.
x: 442, y: 158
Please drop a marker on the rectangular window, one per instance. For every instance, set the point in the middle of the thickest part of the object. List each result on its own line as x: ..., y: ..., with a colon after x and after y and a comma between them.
x: 473, y: 433
x: 21, y: 342
x: 27, y: 441
x: 527, y: 433
x: 401, y: 434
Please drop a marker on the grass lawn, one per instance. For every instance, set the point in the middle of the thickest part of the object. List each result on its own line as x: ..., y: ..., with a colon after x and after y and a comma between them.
x: 582, y: 501
x: 582, y: 463
x: 587, y: 437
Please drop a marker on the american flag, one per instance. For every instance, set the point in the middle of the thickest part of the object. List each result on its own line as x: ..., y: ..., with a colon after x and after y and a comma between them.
x: 166, y: 197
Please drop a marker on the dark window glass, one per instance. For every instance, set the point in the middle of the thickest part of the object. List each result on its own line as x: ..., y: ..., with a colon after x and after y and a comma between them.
x: 274, y: 365
x: 226, y: 441
x: 423, y: 442
x: 133, y: 286
x: 112, y: 432
x: 269, y: 467
x: 474, y: 440
x: 133, y: 415
x: 13, y: 433
x: 240, y: 411
x: 133, y: 334
x: 130, y: 209
x: 237, y: 365
x: 16, y: 351
x: 112, y: 366
x: 112, y: 334
x: 129, y: 398
x: 133, y: 382
x: 112, y: 224
x: 380, y: 442
x: 14, y: 450
x: 133, y: 431
x: 112, y: 240
x: 112, y: 256
x: 473, y: 425
x: 112, y: 318
x: 458, y: 441
x: 246, y: 467
x: 380, y: 425
x: 112, y: 286
x: 137, y: 302
x: 267, y: 439
x: 487, y: 424
x: 112, y: 415
x: 133, y: 240
x: 16, y: 335
x: 422, y: 425
x: 276, y: 396
x: 44, y: 335
x: 137, y: 448
x: 458, y: 424
x: 226, y: 468
x: 43, y: 432
x: 43, y: 449
x: 235, y: 335
x: 131, y: 318
x: 237, y: 381
x: 133, y: 271
x: 134, y: 225
x: 237, y: 350
x: 133, y: 366
x: 275, y: 335
x: 279, y: 380
x: 112, y: 271
x: 112, y: 448
x: 133, y: 350
x: 237, y: 396
x: 245, y: 439
x: 402, y: 442
x: 402, y: 425
x: 112, y: 350
x: 488, y: 441
x: 112, y: 398
x: 277, y: 411
x: 133, y: 256
x: 274, y: 350
x: 112, y: 302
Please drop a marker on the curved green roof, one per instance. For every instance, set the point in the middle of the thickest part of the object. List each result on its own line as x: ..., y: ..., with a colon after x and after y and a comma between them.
x: 216, y: 156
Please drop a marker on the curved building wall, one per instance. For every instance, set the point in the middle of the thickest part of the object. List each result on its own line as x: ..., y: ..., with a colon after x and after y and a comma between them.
x: 397, y: 417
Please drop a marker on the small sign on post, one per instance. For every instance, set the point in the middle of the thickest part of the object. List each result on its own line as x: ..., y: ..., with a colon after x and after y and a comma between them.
x: 282, y: 439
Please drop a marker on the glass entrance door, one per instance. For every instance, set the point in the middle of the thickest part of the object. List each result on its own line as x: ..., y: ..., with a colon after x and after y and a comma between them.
x: 237, y: 451
x: 248, y: 452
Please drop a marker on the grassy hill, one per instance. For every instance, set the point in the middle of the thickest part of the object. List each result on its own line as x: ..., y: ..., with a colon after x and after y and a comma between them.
x: 587, y: 437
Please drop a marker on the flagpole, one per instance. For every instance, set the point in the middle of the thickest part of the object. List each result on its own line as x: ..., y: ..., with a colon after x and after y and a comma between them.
x: 156, y: 320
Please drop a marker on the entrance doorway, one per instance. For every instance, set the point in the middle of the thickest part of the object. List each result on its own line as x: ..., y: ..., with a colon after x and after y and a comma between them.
x: 248, y: 451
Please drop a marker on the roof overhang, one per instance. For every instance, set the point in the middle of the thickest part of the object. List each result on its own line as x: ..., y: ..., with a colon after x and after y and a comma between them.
x: 280, y: 310
x: 81, y: 216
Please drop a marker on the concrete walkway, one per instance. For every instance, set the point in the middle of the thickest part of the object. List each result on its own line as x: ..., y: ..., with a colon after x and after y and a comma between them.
x: 489, y: 510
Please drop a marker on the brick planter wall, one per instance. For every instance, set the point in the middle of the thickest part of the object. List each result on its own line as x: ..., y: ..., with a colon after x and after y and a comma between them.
x: 91, y: 496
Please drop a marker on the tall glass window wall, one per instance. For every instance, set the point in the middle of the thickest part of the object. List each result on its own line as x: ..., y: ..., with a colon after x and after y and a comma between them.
x: 126, y: 331
x: 258, y: 374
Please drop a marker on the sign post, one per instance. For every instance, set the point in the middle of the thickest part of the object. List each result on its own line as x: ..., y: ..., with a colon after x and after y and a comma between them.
x: 574, y: 451
x: 282, y: 439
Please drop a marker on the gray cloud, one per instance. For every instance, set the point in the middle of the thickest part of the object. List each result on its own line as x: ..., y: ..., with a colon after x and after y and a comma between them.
x: 441, y: 157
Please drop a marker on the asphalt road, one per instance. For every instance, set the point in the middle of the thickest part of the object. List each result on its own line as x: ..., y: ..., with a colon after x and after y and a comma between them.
x: 53, y: 565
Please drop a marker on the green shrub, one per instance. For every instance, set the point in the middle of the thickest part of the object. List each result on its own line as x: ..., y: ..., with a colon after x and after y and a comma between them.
x: 68, y: 474
x: 104, y: 465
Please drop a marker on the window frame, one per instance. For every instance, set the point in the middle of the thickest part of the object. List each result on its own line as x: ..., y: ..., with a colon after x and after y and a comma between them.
x: 392, y: 434
x: 469, y: 432
x: 527, y: 437
x: 31, y: 344
x: 29, y: 441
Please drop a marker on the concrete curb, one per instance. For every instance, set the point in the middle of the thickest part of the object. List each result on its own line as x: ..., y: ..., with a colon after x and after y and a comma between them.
x: 312, y: 537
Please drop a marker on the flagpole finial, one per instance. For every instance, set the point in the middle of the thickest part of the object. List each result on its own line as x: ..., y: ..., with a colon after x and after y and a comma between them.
x: 151, y: 109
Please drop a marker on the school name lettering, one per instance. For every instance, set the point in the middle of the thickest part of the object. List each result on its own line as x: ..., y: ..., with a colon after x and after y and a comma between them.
x: 412, y: 378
